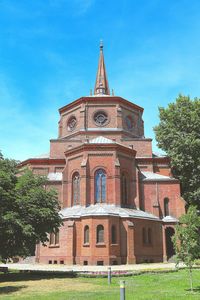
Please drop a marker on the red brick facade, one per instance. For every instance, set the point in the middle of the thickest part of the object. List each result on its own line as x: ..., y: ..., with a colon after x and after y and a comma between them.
x: 134, y: 198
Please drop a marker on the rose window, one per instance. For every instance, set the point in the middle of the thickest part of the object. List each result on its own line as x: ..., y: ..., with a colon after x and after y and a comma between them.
x: 101, y: 118
x: 72, y: 123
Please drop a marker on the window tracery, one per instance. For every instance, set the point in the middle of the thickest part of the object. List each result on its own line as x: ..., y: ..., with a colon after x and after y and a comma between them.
x: 100, y: 186
x: 72, y: 122
x: 100, y: 118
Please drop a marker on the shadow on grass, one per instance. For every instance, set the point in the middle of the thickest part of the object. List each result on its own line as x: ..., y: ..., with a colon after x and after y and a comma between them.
x: 11, y: 289
x: 195, y: 290
x: 34, y: 275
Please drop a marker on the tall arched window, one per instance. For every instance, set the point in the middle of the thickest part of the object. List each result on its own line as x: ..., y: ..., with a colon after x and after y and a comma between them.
x: 124, y: 188
x: 100, y: 234
x: 57, y: 237
x: 52, y: 238
x: 86, y: 235
x: 113, y: 234
x: 76, y: 188
x: 166, y: 207
x: 100, y: 186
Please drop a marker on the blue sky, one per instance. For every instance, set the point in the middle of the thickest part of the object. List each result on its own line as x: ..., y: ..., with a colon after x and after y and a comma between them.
x: 49, y: 52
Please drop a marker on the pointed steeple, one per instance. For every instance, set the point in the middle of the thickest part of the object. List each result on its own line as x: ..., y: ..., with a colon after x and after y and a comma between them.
x: 101, y: 85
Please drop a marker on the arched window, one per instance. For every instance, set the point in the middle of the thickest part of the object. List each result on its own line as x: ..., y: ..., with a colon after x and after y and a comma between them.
x: 57, y: 237
x: 124, y: 188
x: 100, y: 234
x: 100, y: 186
x: 52, y: 239
x: 86, y: 235
x: 166, y: 207
x: 76, y: 188
x: 113, y: 234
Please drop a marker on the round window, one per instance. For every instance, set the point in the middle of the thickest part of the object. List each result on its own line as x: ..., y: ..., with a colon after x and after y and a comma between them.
x: 100, y: 118
x: 129, y: 122
x: 72, y: 122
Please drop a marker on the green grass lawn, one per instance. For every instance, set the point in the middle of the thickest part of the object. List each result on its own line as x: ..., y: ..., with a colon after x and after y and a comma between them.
x: 173, y: 285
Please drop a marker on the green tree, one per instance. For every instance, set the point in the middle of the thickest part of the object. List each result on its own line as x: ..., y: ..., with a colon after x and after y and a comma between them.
x: 178, y: 134
x: 186, y: 240
x: 28, y: 211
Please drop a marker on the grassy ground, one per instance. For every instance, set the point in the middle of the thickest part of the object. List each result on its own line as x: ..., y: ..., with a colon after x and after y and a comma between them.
x: 175, y: 285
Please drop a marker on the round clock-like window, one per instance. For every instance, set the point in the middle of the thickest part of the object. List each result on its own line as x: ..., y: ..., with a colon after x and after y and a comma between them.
x: 129, y: 122
x: 100, y: 118
x: 72, y: 122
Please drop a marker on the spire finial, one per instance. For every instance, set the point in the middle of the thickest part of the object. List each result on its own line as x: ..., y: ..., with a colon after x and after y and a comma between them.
x: 101, y: 44
x: 101, y: 85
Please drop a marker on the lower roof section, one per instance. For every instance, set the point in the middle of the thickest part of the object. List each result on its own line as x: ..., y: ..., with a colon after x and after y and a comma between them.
x: 78, y: 211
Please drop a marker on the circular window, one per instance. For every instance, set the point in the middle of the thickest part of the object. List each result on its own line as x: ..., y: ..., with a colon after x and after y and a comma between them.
x: 129, y: 122
x: 72, y: 122
x: 101, y: 118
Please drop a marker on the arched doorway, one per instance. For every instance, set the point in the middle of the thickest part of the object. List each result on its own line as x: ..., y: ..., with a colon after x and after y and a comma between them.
x: 169, y: 232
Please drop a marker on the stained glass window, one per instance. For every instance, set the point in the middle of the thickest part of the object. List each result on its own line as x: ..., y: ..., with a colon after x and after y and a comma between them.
x: 76, y: 188
x: 100, y: 186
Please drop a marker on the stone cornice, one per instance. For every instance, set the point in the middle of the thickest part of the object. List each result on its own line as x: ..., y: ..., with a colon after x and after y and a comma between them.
x: 42, y: 161
x: 103, y: 99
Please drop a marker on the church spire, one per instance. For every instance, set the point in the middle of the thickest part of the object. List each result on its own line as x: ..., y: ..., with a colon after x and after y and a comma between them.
x: 101, y: 85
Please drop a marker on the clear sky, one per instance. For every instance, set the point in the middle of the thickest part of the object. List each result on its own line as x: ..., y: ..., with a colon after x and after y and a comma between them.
x: 49, y: 53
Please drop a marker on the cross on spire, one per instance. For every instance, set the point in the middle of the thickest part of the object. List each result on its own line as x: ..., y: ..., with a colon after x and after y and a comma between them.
x: 101, y: 85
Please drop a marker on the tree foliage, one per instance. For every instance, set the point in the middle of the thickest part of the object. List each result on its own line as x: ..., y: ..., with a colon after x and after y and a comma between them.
x: 28, y: 211
x: 178, y: 134
x: 187, y: 239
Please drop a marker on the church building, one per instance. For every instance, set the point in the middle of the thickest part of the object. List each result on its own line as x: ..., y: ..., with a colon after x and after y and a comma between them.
x: 119, y: 201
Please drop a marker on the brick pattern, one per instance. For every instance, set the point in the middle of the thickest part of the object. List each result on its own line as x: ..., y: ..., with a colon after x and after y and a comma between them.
x: 69, y: 154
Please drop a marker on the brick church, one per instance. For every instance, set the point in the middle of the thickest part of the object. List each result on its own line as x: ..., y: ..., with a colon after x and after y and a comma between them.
x: 119, y: 201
